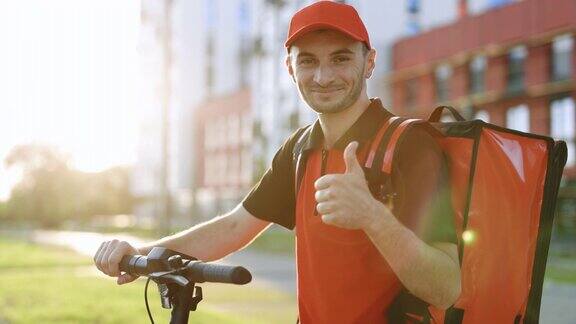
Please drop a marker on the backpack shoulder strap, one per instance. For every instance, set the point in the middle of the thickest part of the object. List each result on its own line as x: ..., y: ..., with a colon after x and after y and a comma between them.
x: 388, y: 125
x: 378, y: 163
x: 379, y: 143
x: 377, y: 183
x: 390, y: 147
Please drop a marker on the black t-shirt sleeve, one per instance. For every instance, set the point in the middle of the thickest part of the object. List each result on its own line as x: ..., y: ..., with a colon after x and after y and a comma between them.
x: 420, y: 179
x: 272, y: 198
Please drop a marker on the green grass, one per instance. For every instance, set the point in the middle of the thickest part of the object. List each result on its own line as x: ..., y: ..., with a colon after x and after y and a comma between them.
x: 275, y: 240
x: 144, y: 233
x: 19, y: 255
x: 48, y: 285
x: 562, y: 270
x: 561, y: 275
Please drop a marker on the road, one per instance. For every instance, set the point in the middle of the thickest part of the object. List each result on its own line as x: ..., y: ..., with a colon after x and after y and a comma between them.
x: 279, y: 272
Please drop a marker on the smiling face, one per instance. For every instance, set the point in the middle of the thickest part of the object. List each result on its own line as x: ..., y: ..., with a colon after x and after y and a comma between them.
x: 330, y: 69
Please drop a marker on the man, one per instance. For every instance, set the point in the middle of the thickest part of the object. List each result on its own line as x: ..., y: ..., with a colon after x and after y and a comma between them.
x: 354, y: 253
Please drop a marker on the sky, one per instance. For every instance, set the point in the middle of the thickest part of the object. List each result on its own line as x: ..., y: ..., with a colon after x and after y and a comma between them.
x: 68, y: 78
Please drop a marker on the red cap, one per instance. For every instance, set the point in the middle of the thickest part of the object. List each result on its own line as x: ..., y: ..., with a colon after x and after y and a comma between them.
x: 327, y: 15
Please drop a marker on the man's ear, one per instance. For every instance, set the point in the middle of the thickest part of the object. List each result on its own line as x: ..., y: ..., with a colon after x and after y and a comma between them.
x: 370, y: 63
x: 288, y: 63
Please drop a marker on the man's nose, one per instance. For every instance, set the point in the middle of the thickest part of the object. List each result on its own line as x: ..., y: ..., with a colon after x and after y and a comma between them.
x: 323, y: 75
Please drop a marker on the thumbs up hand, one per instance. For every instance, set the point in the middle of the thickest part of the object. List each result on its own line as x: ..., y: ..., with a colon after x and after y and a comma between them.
x: 352, y: 164
x: 344, y: 200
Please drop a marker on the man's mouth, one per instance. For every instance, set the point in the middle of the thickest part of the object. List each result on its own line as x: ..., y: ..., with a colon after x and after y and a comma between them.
x: 325, y: 91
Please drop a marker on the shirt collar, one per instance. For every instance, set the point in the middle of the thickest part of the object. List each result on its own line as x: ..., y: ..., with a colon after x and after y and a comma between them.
x: 362, y: 130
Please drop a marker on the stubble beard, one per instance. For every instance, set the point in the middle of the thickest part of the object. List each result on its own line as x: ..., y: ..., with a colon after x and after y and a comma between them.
x: 335, y: 107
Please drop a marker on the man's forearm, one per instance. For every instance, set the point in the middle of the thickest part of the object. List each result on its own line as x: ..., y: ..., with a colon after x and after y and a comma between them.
x: 427, y: 272
x: 211, y: 240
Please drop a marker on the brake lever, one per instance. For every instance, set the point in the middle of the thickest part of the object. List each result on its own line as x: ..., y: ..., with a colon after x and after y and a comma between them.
x: 165, y: 277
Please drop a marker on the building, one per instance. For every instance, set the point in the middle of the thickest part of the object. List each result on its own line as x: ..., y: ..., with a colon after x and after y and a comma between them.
x: 513, y: 66
x: 221, y: 119
x: 224, y: 150
x: 191, y: 53
x: 146, y: 180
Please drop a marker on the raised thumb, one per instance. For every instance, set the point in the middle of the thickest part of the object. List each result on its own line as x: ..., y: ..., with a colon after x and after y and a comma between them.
x: 352, y: 164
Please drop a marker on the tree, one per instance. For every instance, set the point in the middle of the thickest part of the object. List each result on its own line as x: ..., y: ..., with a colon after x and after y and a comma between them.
x: 51, y: 192
x: 45, y: 192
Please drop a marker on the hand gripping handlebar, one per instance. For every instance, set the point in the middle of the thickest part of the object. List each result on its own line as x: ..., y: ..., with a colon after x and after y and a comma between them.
x: 176, y: 275
x: 193, y: 270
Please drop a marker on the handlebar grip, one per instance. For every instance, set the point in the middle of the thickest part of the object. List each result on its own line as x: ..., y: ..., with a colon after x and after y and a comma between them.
x: 205, y: 272
x: 196, y: 271
x: 134, y: 265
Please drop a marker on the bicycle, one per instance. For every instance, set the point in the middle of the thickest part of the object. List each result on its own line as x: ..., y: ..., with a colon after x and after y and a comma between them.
x: 176, y: 275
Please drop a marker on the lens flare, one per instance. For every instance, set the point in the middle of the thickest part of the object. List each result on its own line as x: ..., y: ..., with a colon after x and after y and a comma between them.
x: 468, y: 237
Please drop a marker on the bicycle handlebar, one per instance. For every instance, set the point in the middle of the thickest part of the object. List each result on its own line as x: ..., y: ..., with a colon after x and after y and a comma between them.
x: 176, y: 275
x: 195, y: 271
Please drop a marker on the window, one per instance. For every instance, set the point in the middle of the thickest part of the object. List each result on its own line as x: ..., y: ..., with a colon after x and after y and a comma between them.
x: 562, y: 48
x: 233, y: 130
x: 223, y: 132
x: 562, y: 120
x: 477, y: 74
x: 443, y: 74
x: 208, y: 170
x: 518, y: 118
x: 246, y: 129
x: 516, y: 59
x: 215, y: 130
x: 233, y: 170
x: 482, y: 115
x: 223, y: 171
x: 498, y: 3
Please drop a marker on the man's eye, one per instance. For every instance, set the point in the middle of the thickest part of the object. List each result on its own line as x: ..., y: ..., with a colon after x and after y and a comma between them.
x: 306, y: 61
x: 341, y: 59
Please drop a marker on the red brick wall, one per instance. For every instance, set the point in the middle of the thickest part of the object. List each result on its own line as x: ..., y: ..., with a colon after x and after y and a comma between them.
x: 459, y: 82
x: 426, y: 88
x: 398, y: 95
x: 540, y: 116
x: 497, y: 73
x: 497, y: 113
x: 538, y: 64
x: 211, y: 112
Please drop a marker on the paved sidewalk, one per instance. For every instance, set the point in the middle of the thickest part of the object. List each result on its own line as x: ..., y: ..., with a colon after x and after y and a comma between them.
x: 275, y: 271
x: 558, y: 304
x: 558, y: 301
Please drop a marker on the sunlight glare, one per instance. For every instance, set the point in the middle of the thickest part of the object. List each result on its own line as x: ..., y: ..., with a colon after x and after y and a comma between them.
x: 69, y: 79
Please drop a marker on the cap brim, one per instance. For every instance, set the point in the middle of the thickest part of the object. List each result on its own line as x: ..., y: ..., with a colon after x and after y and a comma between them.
x: 317, y: 26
